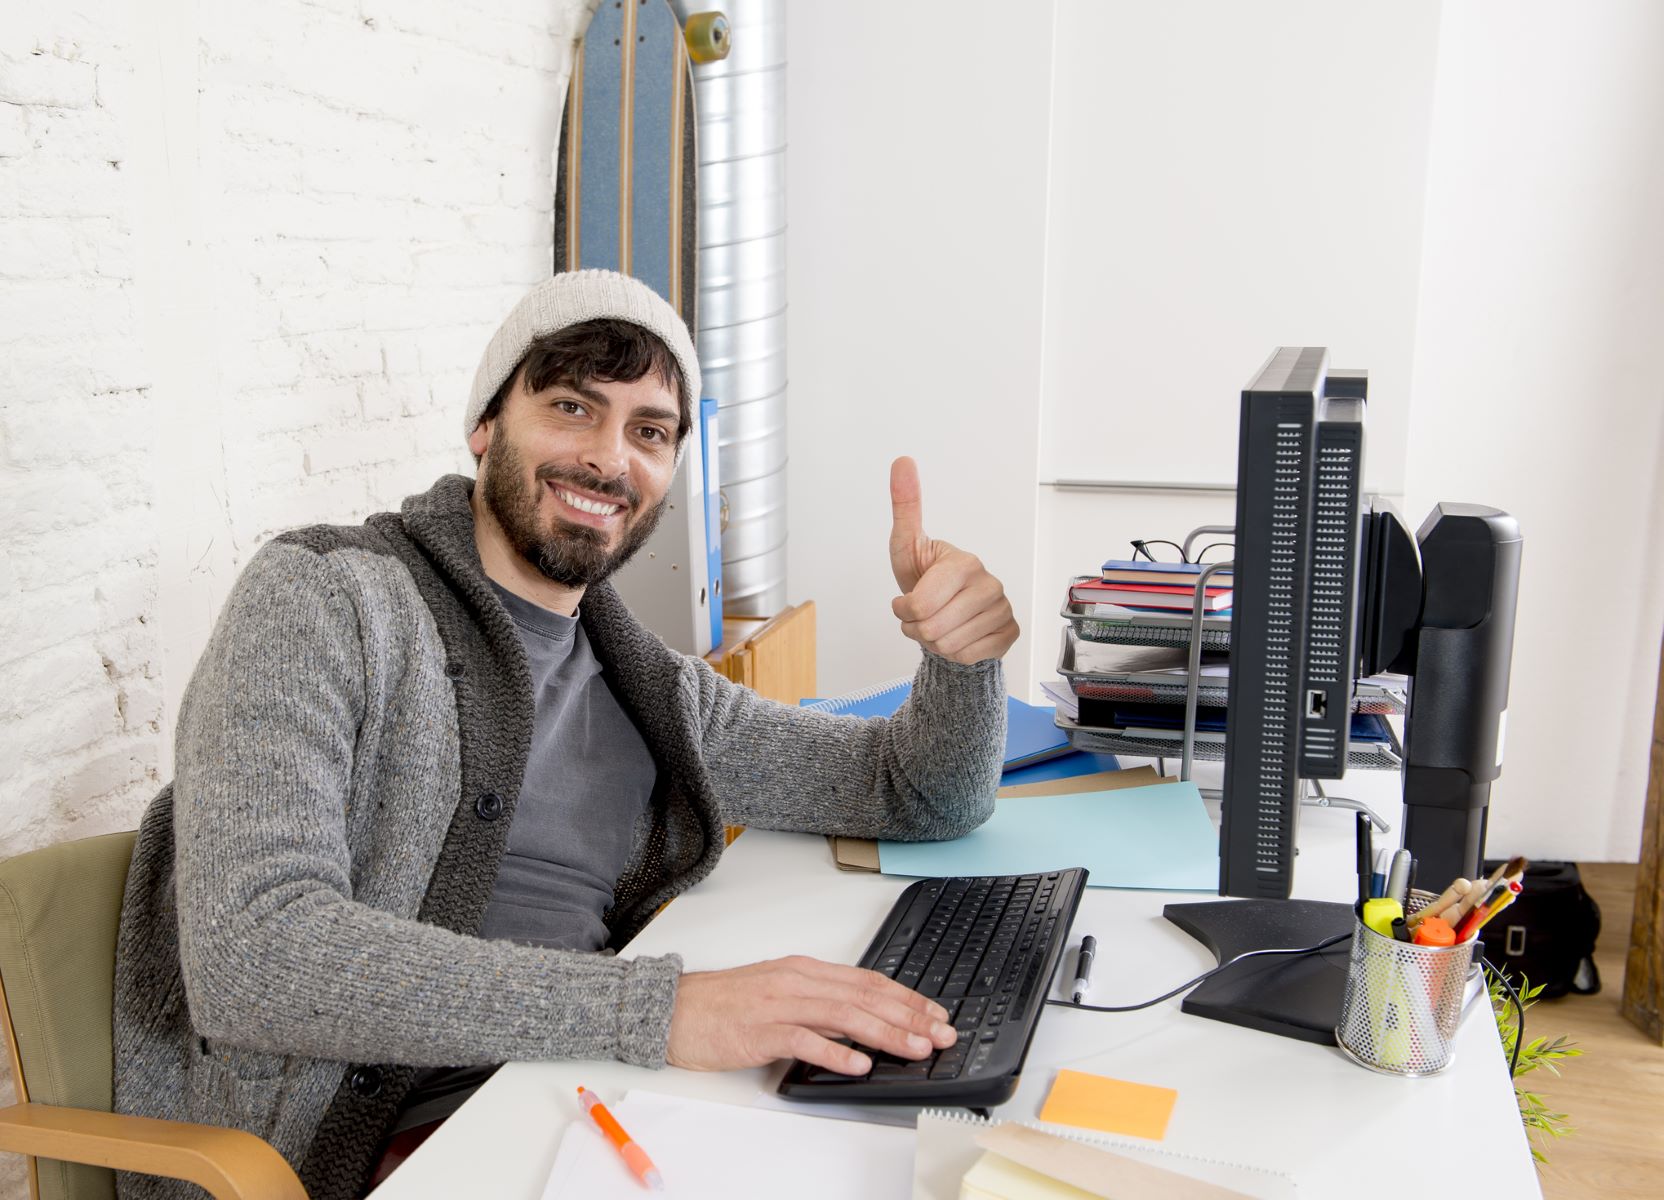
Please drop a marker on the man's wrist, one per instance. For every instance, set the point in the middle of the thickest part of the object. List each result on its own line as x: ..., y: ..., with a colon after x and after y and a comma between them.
x: 647, y: 1000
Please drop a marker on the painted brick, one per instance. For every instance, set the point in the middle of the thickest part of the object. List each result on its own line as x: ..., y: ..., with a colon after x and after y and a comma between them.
x: 105, y: 425
x: 46, y: 79
x: 34, y: 248
x: 333, y: 355
x: 65, y: 668
x: 69, y: 724
x: 256, y: 412
x: 45, y: 187
x: 14, y: 131
x: 37, y: 502
x: 335, y: 451
x: 271, y: 459
x: 401, y: 307
x: 111, y: 770
x: 31, y: 311
x: 125, y: 593
x: 91, y: 135
x: 42, y: 370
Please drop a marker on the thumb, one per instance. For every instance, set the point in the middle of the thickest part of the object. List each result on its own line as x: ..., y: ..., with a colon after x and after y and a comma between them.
x: 906, y: 523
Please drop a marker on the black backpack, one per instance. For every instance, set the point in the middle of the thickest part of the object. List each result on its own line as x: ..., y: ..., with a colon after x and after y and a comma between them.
x: 1547, y: 935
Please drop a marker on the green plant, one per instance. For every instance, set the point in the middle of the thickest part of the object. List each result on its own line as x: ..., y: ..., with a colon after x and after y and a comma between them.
x: 1539, y: 1053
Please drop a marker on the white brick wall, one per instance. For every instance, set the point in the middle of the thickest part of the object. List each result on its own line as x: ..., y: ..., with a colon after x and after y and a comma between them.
x: 367, y: 187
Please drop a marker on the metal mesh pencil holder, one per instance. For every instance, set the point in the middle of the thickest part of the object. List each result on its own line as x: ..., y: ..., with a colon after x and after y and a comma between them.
x: 1403, y: 1002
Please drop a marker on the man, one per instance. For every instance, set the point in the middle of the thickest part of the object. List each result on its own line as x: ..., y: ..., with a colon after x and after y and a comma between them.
x: 430, y: 772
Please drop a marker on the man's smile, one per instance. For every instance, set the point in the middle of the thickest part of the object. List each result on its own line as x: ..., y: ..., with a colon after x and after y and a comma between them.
x: 583, y: 507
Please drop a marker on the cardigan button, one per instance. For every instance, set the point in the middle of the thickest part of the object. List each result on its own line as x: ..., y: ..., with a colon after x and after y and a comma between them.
x: 454, y: 670
x: 366, y: 1082
x: 489, y: 806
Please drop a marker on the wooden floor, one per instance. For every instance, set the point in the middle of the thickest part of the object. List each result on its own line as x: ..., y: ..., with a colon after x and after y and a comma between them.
x: 1614, y: 1095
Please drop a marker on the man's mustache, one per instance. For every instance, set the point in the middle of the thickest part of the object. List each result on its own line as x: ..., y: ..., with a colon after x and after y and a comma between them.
x: 612, y: 489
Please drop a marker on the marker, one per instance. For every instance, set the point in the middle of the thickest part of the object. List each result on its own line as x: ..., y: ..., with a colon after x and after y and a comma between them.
x: 1378, y: 878
x: 1083, y: 966
x: 634, y: 1156
x: 1400, y: 930
x: 1435, y: 932
x: 1380, y: 913
x: 1398, y: 878
x: 1366, y: 859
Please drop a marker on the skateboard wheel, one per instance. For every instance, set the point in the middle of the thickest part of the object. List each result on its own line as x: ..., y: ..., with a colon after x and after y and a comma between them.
x: 708, y: 37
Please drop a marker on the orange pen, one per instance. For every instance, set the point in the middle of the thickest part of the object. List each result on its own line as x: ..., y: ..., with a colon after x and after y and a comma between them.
x: 634, y: 1156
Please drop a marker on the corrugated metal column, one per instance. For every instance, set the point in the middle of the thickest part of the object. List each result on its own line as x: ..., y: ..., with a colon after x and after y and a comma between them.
x: 741, y: 109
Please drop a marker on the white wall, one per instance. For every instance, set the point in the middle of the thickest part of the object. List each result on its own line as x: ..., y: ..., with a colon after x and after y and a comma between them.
x: 1464, y: 199
x: 1225, y: 179
x: 916, y: 190
x: 1538, y: 386
x: 249, y: 255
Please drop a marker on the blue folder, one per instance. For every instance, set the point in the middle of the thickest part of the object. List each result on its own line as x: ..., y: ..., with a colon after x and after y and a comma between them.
x: 1031, y: 734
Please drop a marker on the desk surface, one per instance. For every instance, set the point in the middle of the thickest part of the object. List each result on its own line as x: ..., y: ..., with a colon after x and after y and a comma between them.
x: 1243, y: 1096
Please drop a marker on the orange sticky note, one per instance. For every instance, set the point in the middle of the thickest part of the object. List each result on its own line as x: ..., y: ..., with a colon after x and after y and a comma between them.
x: 1109, y: 1105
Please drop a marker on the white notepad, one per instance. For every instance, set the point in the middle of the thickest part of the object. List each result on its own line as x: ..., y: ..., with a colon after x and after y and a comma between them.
x: 947, y: 1148
x: 726, y: 1152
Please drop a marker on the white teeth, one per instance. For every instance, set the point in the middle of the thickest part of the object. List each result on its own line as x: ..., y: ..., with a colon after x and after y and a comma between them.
x: 588, y: 506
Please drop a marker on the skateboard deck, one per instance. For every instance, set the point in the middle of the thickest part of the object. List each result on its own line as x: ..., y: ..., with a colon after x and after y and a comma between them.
x: 626, y: 185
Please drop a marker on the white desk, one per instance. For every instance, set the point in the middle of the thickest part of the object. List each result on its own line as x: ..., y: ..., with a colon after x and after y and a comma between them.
x: 1243, y: 1096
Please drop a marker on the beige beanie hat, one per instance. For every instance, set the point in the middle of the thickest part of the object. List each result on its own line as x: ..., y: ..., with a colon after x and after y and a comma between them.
x: 568, y: 299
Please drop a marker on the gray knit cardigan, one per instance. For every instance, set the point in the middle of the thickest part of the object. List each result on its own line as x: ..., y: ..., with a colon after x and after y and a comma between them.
x: 297, y: 935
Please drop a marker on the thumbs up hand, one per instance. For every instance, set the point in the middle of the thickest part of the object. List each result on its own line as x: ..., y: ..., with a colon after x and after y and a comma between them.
x: 949, y: 604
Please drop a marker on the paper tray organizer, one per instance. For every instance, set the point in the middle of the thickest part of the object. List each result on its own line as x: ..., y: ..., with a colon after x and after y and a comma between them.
x: 1197, y: 631
x: 1141, y: 629
x: 1141, y: 688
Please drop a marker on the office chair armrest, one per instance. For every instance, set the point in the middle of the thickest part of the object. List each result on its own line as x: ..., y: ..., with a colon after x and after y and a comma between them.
x: 230, y: 1164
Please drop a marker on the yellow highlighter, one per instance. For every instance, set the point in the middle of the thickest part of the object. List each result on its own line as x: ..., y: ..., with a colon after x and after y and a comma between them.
x: 1380, y: 913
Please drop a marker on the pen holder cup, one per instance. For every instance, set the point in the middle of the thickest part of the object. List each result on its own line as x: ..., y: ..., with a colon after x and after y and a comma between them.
x: 1403, y: 1002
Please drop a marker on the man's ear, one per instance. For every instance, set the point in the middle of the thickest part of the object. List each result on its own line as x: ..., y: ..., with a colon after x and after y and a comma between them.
x: 480, y: 439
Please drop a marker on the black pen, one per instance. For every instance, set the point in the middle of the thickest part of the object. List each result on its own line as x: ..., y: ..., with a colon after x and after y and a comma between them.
x: 1083, y: 966
x: 1366, y: 857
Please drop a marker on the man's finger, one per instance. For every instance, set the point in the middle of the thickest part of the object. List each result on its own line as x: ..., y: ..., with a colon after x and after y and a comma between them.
x: 797, y: 1041
x: 951, y: 642
x: 863, y: 1026
x: 906, y: 504
x: 980, y: 594
x: 947, y: 576
x: 872, y: 982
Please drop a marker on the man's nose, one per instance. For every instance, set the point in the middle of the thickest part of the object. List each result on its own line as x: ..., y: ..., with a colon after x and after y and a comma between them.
x: 604, y: 451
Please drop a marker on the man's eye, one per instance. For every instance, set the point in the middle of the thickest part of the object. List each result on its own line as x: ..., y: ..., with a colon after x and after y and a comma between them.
x: 569, y: 406
x: 652, y: 433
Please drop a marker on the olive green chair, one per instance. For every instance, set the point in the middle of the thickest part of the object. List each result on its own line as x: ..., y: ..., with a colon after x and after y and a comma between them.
x: 59, y: 910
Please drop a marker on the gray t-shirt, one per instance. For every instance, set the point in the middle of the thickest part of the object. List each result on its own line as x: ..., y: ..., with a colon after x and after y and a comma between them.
x: 588, y: 781
x: 589, y: 778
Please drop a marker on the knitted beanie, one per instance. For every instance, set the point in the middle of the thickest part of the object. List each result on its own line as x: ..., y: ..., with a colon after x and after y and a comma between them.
x: 569, y: 299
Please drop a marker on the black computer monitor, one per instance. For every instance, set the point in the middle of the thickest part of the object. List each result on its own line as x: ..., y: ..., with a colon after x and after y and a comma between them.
x: 1294, y: 607
x: 1328, y: 588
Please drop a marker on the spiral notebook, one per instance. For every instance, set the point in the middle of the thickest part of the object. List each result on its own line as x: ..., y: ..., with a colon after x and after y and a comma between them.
x: 951, y: 1145
x: 1031, y: 735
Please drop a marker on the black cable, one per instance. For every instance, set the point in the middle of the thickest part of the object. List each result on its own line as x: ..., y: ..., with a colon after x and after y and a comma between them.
x: 1183, y: 987
x: 1519, y: 1012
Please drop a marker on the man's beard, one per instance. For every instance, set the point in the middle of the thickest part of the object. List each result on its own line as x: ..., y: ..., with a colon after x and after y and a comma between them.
x: 572, y: 555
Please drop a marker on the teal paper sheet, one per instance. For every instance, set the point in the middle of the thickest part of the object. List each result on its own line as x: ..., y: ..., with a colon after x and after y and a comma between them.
x: 1148, y: 837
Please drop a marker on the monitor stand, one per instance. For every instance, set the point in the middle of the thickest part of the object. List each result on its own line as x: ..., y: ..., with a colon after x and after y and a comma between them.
x: 1294, y: 996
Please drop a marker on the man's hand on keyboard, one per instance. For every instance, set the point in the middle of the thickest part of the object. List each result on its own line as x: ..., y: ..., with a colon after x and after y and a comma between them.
x: 949, y: 604
x: 794, y: 1008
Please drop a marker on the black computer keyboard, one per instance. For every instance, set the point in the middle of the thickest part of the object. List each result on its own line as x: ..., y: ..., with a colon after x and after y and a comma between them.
x: 984, y: 948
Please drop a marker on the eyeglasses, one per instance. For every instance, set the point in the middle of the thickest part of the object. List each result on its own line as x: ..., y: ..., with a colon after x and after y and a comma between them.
x: 1142, y: 546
